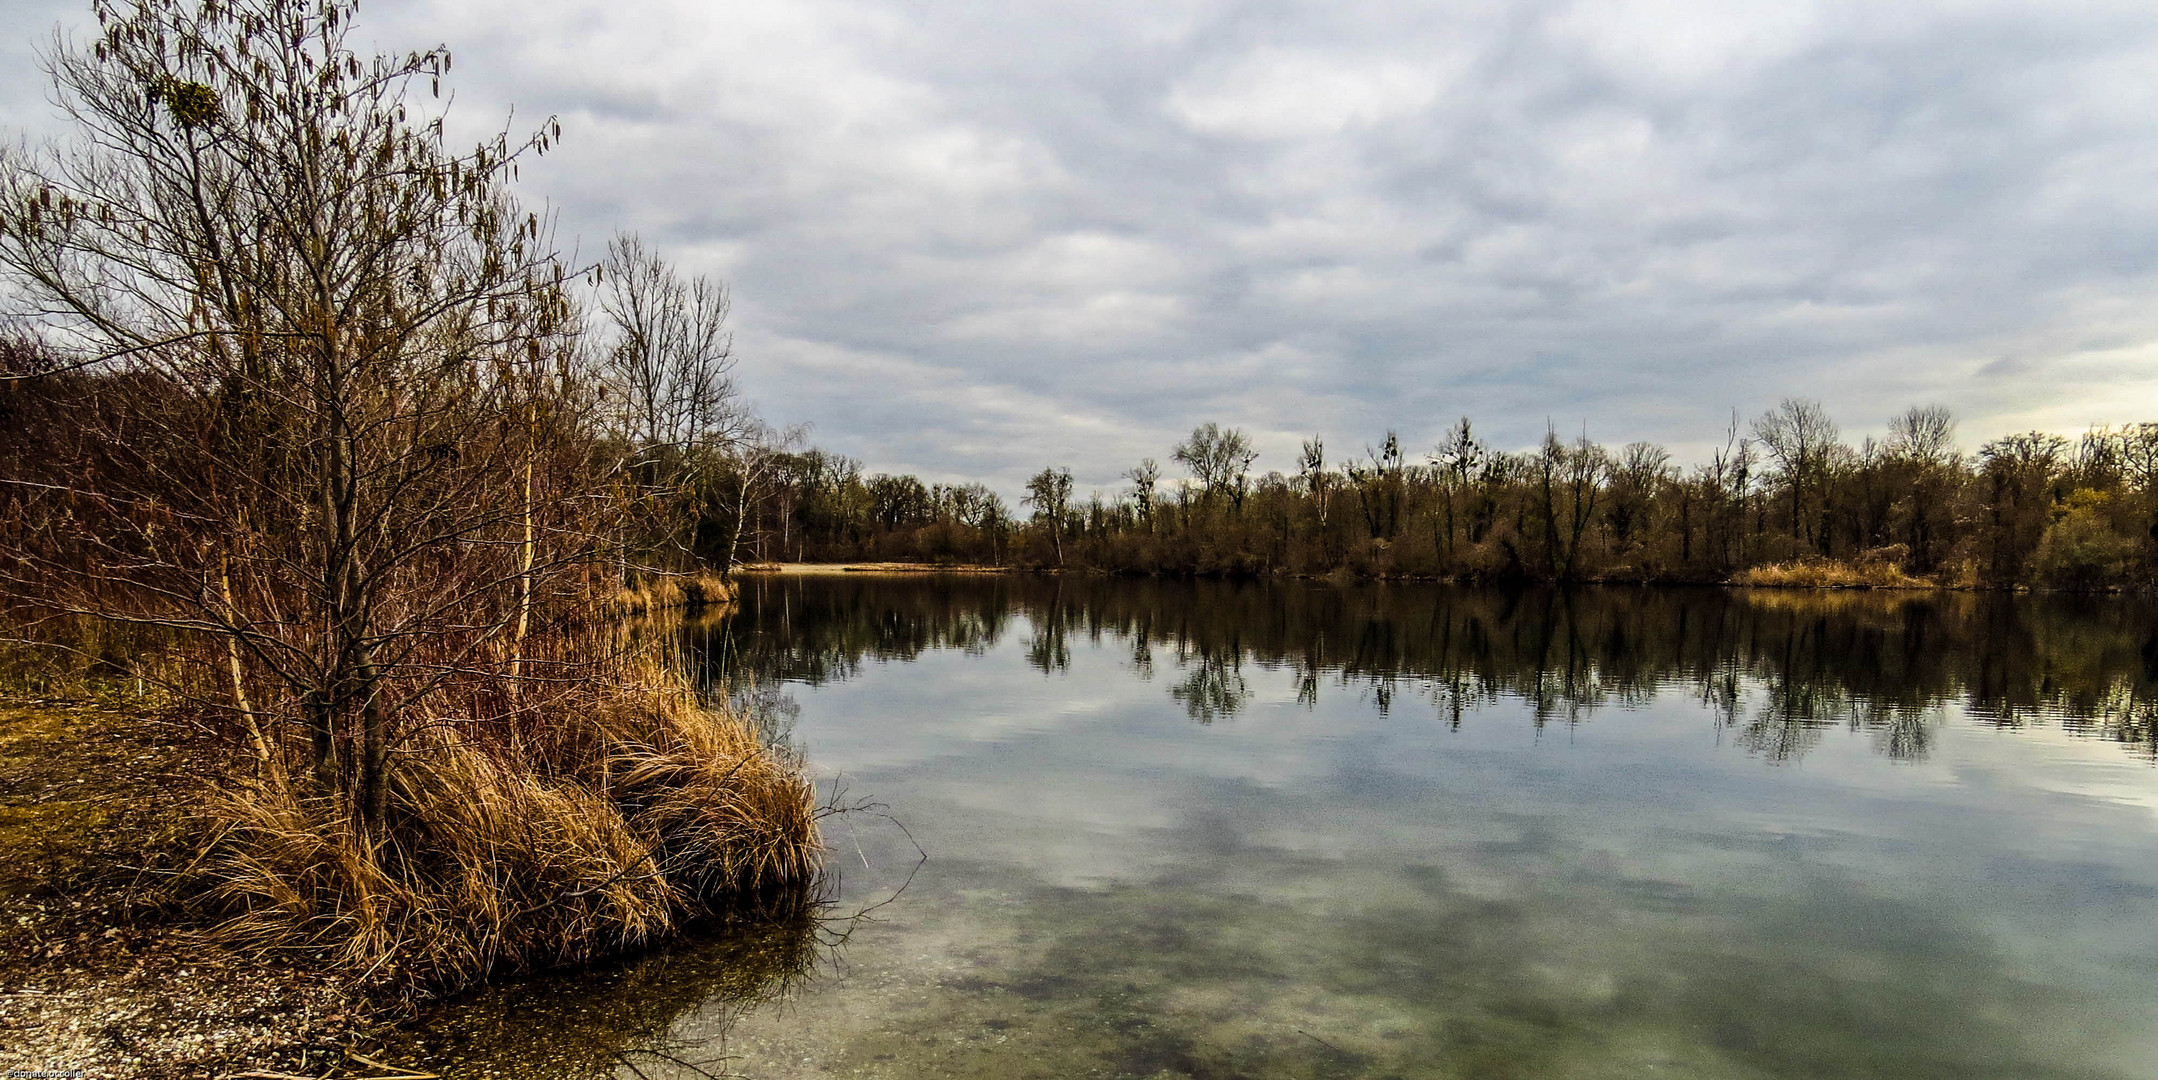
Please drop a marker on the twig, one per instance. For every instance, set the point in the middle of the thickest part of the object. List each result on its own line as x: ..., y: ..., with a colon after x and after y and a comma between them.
x: 404, y: 1073
x: 857, y: 845
x: 869, y: 808
x: 622, y: 1057
x: 1321, y: 1042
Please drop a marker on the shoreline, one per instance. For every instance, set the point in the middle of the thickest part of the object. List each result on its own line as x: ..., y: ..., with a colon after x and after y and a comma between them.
x: 101, y: 969
x: 814, y: 569
x: 916, y: 569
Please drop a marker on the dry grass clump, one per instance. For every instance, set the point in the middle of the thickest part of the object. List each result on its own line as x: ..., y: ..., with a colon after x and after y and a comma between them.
x: 1819, y: 573
x: 629, y: 812
x: 671, y: 591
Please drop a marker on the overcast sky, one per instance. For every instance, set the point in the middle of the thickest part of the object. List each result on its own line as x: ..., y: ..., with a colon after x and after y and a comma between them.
x: 967, y: 240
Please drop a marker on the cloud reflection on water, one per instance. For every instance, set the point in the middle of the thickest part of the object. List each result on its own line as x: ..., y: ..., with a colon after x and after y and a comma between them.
x: 1697, y: 835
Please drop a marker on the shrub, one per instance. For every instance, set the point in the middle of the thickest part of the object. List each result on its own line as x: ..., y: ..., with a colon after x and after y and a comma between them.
x: 2080, y: 550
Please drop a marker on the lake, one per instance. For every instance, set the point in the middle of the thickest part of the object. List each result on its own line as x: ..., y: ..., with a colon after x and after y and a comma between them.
x: 1305, y: 830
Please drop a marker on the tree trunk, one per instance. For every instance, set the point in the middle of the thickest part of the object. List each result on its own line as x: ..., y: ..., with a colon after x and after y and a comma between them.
x: 373, y: 785
x: 272, y: 768
x: 524, y: 585
x: 734, y: 540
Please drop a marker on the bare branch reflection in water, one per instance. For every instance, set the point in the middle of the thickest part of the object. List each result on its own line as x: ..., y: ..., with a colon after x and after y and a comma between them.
x: 1049, y: 648
x: 624, y: 1018
x: 1213, y: 686
x: 1773, y: 668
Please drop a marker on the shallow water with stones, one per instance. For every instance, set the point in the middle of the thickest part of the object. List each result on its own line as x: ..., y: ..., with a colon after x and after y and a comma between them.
x: 1303, y: 830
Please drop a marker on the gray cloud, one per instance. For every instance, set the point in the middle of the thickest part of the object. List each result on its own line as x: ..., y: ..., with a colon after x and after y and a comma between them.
x: 968, y: 240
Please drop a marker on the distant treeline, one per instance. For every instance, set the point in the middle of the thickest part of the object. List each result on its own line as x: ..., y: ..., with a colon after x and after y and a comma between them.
x: 1777, y: 669
x: 1786, y: 500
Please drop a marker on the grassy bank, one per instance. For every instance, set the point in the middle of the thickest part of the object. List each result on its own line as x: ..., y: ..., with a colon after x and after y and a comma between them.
x: 166, y: 910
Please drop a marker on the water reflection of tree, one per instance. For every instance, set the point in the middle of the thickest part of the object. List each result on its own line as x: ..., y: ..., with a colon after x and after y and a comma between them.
x: 818, y: 631
x: 1049, y: 646
x: 1775, y: 668
x: 664, y: 1013
x: 770, y: 710
x: 1904, y: 734
x: 1213, y: 686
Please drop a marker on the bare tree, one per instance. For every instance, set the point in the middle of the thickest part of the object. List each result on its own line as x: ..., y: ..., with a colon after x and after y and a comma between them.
x: 1569, y: 481
x: 1381, y: 484
x: 1317, y: 479
x: 1218, y: 458
x: 1922, y: 444
x: 1924, y: 433
x: 667, y: 376
x: 2018, y: 478
x: 1728, y: 477
x: 1801, y: 437
x: 669, y: 371
x: 1637, y: 476
x: 1049, y: 492
x: 325, y: 346
x: 1455, y: 463
x: 2139, y: 456
x: 1145, y: 477
x: 751, y: 463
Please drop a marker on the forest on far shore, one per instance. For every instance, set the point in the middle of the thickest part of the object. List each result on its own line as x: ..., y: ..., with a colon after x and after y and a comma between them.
x: 1786, y: 500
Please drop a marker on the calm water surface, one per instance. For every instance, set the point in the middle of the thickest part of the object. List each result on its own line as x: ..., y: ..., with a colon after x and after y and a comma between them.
x: 1180, y: 830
